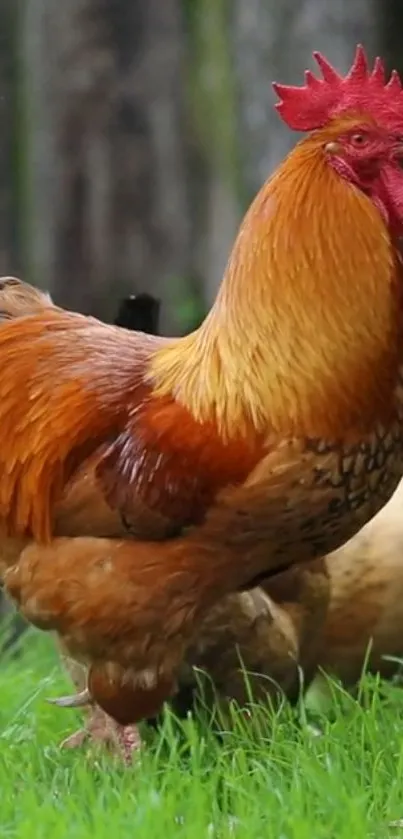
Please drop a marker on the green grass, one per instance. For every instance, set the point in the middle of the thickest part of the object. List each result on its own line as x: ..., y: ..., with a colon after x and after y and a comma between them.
x: 269, y: 778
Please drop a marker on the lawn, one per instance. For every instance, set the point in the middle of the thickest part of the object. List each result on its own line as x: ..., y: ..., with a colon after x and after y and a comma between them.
x: 274, y: 777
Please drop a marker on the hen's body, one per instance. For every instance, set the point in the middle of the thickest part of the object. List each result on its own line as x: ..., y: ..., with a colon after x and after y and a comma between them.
x: 365, y: 620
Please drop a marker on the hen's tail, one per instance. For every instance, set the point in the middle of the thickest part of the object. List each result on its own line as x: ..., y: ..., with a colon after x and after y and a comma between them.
x: 140, y: 313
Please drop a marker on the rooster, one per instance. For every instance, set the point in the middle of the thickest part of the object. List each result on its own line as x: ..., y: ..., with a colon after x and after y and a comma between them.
x: 145, y: 478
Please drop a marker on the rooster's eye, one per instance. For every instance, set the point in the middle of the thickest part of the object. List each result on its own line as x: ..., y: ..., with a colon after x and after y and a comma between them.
x: 359, y: 139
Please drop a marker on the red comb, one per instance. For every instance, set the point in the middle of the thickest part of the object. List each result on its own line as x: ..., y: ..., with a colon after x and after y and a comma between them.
x: 312, y: 105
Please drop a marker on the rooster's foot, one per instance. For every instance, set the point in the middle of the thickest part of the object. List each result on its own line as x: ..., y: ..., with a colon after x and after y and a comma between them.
x: 101, y: 730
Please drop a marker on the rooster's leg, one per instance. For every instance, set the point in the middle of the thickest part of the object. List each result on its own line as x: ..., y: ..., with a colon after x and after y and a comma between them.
x: 99, y: 728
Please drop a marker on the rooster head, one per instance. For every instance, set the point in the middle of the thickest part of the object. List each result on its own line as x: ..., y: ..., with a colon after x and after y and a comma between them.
x: 357, y: 123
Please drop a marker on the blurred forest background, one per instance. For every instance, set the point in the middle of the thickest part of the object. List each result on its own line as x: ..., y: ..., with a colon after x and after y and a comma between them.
x: 135, y: 132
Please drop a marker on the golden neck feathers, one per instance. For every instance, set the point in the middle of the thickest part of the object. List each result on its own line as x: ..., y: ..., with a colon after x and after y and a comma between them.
x: 304, y: 336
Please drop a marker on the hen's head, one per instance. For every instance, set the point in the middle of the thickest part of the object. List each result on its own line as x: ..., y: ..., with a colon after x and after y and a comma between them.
x: 357, y: 124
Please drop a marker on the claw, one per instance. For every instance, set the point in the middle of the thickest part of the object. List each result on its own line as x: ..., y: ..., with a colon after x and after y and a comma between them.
x: 76, y: 740
x: 130, y: 743
x: 78, y: 700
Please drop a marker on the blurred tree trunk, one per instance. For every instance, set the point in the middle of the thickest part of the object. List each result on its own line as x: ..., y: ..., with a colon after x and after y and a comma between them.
x: 9, y: 147
x: 238, y: 48
x: 108, y: 189
x: 390, y: 22
x: 9, y: 159
x: 215, y: 175
x: 275, y: 41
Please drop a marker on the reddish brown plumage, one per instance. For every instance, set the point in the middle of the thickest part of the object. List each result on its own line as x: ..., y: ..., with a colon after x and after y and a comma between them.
x: 174, y: 480
x: 181, y: 476
x: 363, y: 625
x: 123, y: 702
x: 264, y: 439
x: 270, y: 630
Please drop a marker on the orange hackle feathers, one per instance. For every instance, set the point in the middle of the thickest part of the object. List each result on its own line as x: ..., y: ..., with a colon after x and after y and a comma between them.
x: 310, y: 290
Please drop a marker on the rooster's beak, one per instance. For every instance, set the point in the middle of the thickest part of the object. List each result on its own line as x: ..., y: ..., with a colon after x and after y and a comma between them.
x: 332, y: 148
